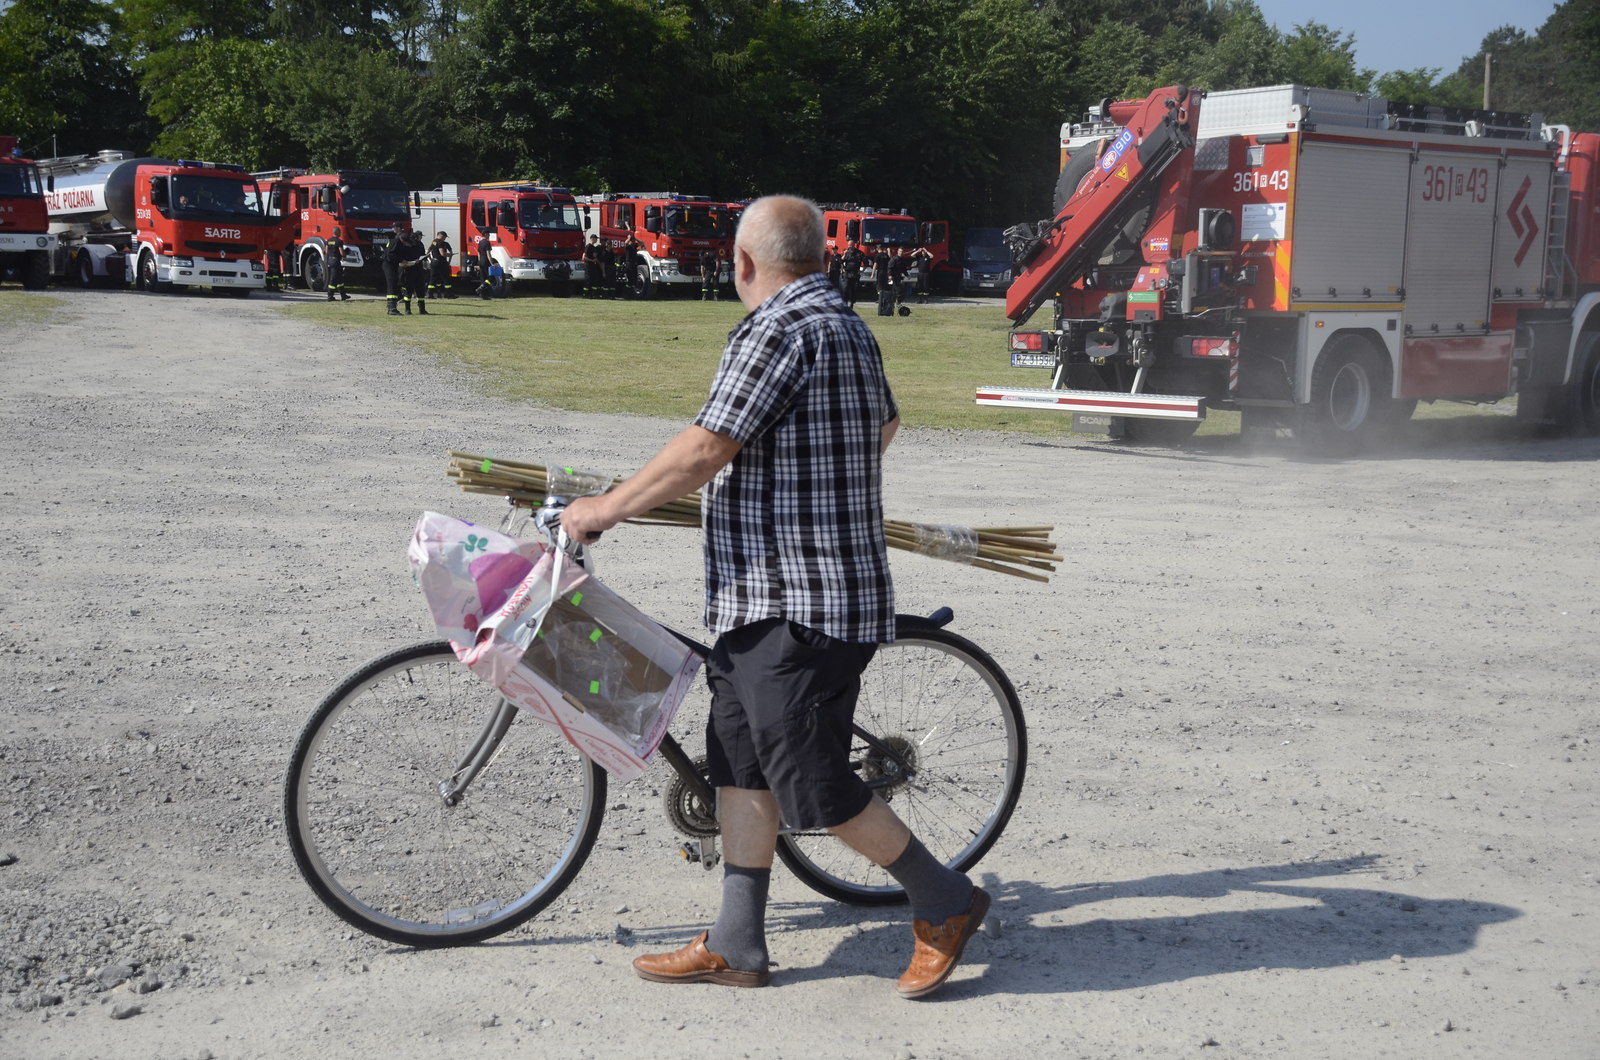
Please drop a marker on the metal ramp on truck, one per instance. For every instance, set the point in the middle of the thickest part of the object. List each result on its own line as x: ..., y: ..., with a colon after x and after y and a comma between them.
x: 1096, y: 402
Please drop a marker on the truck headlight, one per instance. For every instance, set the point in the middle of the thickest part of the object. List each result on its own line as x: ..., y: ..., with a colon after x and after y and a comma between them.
x: 183, y: 263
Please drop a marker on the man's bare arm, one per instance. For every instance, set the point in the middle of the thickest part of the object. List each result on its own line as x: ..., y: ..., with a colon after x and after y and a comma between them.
x: 889, y: 430
x: 683, y: 465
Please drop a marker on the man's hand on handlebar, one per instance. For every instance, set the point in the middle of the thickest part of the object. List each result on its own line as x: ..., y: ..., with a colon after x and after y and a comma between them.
x: 584, y: 519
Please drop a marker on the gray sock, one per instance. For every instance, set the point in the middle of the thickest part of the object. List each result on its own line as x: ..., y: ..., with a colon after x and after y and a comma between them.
x: 937, y: 893
x: 740, y: 934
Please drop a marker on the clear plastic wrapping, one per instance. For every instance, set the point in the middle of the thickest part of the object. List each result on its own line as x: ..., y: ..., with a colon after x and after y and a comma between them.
x: 946, y: 541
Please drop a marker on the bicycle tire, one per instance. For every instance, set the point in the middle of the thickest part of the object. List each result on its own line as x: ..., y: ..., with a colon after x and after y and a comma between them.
x: 946, y: 704
x: 379, y: 844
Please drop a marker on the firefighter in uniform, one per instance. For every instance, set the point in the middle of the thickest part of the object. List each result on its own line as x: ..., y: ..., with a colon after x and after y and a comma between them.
x: 883, y: 274
x: 414, y: 271
x: 333, y: 269
x: 391, y: 270
x: 850, y: 263
x: 899, y: 265
x: 593, y: 274
x: 632, y: 258
x: 710, y: 266
x: 485, y: 259
x: 439, y: 254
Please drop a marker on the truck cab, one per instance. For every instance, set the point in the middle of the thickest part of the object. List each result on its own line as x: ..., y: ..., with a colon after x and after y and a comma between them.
x: 360, y: 206
x: 535, y: 231
x: 26, y: 243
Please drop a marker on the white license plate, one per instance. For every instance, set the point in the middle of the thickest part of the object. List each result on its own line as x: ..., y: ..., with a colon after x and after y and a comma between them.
x: 1032, y: 359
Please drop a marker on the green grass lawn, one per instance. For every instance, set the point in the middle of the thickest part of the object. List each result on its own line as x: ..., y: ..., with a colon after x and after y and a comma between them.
x: 656, y: 358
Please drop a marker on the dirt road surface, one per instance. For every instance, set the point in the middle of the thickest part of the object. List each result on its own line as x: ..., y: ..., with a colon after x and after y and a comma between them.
x: 1312, y: 775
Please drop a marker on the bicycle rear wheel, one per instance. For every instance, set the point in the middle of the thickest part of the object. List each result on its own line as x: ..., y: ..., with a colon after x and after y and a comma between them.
x: 378, y: 840
x: 938, y: 703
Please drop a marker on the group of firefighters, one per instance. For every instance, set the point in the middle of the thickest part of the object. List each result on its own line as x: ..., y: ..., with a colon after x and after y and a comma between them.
x: 890, y: 270
x: 609, y: 272
x: 413, y: 272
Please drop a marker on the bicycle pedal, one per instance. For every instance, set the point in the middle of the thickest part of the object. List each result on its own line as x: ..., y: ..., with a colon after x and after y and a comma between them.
x: 697, y: 853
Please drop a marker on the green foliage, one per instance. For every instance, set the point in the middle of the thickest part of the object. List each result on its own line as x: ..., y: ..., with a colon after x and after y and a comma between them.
x: 1324, y: 58
x: 63, y: 82
x: 218, y: 104
x: 949, y: 107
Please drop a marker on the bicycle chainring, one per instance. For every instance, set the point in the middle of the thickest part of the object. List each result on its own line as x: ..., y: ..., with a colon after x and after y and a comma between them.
x: 686, y: 813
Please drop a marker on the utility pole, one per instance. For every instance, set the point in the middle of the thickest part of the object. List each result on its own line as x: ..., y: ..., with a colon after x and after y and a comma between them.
x: 1488, y: 66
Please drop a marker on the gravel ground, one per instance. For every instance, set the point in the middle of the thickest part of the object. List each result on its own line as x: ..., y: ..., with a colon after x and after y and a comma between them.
x: 1312, y: 768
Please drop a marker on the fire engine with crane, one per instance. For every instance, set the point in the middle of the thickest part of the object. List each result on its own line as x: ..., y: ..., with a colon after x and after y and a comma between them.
x: 1315, y: 259
x: 675, y: 233
x: 360, y: 206
x: 535, y: 232
x: 26, y: 243
x: 155, y: 222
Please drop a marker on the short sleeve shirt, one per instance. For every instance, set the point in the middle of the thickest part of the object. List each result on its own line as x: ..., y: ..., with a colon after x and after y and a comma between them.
x: 794, y: 523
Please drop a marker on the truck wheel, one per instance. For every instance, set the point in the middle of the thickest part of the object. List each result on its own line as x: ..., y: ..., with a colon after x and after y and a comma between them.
x: 1349, y: 394
x: 1581, y: 417
x: 312, y: 270
x: 644, y: 286
x: 149, y: 278
x: 36, y: 271
x: 83, y: 270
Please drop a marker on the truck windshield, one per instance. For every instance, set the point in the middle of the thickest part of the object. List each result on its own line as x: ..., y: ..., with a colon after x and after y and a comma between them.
x: 214, y: 196
x: 20, y: 180
x: 988, y: 254
x: 537, y: 213
x: 700, y: 222
x: 386, y: 203
x: 888, y: 231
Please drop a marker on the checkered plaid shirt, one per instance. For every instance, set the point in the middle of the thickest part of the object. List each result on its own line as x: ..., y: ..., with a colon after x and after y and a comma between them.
x: 794, y: 524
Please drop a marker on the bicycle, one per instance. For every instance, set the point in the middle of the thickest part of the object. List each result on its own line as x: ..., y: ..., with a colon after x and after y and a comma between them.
x: 418, y: 810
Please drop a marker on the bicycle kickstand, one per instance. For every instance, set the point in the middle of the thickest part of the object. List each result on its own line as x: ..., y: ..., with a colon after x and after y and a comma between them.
x: 702, y: 851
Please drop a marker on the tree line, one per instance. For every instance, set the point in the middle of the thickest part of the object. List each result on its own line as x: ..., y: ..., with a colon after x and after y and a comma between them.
x: 948, y: 107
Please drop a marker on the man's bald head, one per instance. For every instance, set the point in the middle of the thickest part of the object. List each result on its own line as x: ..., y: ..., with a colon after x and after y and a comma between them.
x: 783, y: 234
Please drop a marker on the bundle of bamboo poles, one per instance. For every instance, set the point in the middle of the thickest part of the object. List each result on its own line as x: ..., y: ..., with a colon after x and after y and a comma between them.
x: 1023, y: 551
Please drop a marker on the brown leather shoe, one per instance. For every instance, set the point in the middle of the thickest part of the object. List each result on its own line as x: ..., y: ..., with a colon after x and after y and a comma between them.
x: 938, y: 948
x: 695, y: 964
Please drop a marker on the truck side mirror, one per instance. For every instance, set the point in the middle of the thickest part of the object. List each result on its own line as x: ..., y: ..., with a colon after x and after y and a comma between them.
x: 506, y: 216
x: 416, y: 202
x: 853, y: 231
x: 158, y: 192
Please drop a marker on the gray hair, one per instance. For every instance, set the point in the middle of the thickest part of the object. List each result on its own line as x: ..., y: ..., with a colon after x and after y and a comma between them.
x: 784, y: 232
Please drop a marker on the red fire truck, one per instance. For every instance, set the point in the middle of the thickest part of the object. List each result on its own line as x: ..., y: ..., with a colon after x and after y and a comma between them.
x: 361, y: 206
x: 534, y: 230
x: 155, y: 223
x: 1316, y: 259
x: 871, y: 228
x: 26, y: 243
x: 674, y: 231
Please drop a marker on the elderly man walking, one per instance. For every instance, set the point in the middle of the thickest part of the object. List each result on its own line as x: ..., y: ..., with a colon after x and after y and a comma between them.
x: 798, y: 594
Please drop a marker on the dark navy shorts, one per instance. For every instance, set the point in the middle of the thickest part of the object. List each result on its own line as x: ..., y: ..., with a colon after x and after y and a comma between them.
x: 782, y: 699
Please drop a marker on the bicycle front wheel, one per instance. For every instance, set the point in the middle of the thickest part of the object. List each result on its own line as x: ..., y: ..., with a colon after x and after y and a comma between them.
x: 417, y: 814
x: 948, y: 753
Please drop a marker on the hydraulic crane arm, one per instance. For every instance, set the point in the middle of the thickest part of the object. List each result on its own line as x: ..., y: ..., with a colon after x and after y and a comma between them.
x: 1158, y: 131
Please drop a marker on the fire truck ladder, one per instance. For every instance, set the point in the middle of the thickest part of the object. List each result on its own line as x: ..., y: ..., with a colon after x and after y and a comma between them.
x: 1069, y: 246
x: 1560, y: 275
